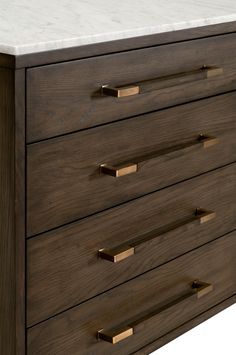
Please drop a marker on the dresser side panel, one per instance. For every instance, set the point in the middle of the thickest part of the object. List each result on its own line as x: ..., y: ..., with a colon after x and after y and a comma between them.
x: 11, y: 216
x: 7, y: 243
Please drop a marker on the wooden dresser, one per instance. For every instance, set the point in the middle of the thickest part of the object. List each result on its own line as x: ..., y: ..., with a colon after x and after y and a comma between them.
x: 117, y: 192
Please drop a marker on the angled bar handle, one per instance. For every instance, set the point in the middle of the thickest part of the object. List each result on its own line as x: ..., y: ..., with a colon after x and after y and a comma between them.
x: 120, y: 91
x: 198, y: 289
x: 128, y: 249
x: 202, y: 73
x: 120, y: 170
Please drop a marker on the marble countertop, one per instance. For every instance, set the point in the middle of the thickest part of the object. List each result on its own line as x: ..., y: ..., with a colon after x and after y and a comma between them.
x: 42, y: 25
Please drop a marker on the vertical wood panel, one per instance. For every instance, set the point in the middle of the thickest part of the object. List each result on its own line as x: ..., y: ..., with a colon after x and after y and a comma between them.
x: 20, y: 208
x: 12, y: 212
x: 7, y: 245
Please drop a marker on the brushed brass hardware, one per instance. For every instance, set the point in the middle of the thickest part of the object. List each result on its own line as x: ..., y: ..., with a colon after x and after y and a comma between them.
x: 207, y: 141
x: 204, y: 215
x: 198, y: 289
x: 129, y: 168
x: 201, y: 288
x: 213, y: 71
x: 119, y: 171
x: 120, y: 91
x: 116, y: 254
x: 115, y: 335
x: 128, y: 249
x: 205, y: 72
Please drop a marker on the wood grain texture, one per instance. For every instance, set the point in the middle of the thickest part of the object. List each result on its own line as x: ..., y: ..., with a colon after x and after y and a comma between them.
x: 64, y: 179
x: 12, y: 245
x: 185, y: 327
x: 73, y: 53
x: 20, y: 209
x: 7, y: 245
x: 67, y: 97
x: 68, y: 331
x: 74, y: 331
x: 63, y: 265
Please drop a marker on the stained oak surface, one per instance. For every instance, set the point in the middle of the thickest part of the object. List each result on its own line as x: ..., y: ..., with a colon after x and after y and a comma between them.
x: 7, y: 260
x: 64, y: 268
x: 66, y: 97
x: 64, y: 182
x: 12, y: 232
x: 74, y: 331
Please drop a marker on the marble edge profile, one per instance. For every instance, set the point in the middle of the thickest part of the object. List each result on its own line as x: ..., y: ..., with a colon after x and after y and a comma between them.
x: 107, y: 37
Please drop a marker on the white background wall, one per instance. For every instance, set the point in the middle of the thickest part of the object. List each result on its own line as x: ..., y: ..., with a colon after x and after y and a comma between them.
x: 216, y: 336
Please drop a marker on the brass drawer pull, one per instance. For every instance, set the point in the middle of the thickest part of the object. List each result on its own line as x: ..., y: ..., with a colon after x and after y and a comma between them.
x: 128, y: 249
x: 198, y: 289
x: 121, y: 91
x: 207, y: 141
x: 204, y: 72
x: 120, y: 170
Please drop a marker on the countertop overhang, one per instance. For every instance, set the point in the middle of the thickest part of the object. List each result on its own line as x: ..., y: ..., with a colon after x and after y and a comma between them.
x: 39, y: 26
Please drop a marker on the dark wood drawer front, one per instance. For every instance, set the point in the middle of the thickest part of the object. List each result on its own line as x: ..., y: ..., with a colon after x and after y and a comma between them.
x: 64, y: 266
x: 66, y: 97
x: 65, y: 181
x: 148, y: 306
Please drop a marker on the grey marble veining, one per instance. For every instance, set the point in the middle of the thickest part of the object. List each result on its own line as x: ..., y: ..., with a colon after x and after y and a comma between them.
x: 36, y: 26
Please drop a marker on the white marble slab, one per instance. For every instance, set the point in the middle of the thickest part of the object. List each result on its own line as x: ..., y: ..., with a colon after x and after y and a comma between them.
x: 29, y: 26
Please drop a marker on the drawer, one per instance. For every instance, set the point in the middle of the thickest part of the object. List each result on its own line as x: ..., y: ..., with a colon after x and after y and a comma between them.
x: 136, y: 313
x: 65, y: 266
x: 76, y: 175
x: 66, y: 97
